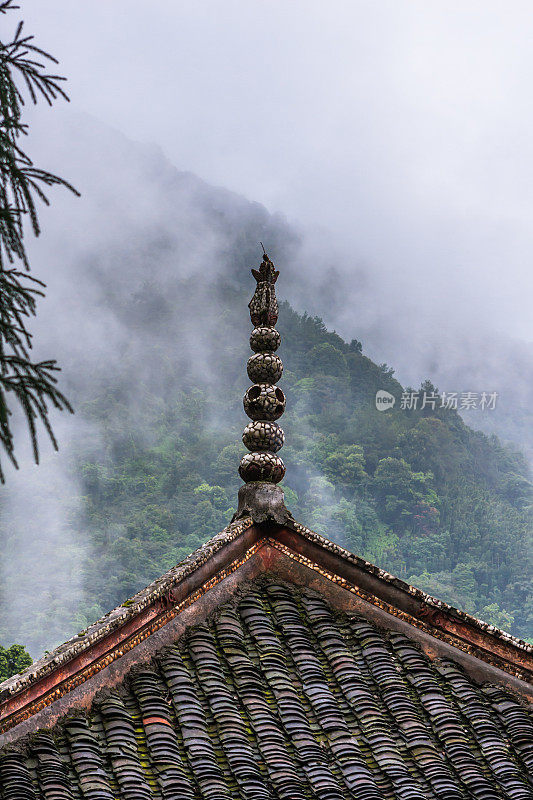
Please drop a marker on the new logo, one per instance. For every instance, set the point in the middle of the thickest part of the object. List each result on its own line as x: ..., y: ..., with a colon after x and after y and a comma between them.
x: 384, y: 400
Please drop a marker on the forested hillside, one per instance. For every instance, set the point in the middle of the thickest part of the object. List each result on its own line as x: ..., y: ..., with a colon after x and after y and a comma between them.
x: 418, y: 493
x: 154, y: 346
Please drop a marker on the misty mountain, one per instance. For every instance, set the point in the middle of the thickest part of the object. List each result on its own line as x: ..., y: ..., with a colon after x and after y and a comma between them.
x: 148, y: 284
x: 132, y: 196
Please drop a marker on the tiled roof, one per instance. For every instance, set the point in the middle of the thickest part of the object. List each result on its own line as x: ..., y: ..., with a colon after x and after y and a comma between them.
x: 279, y: 695
x: 431, y: 611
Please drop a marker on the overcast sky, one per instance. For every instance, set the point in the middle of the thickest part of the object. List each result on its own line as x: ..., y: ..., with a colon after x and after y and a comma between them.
x: 396, y: 134
x: 403, y: 128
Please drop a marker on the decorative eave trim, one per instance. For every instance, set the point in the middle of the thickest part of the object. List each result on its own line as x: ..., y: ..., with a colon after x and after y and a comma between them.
x: 492, y: 645
x: 44, y: 693
x: 138, y: 607
x: 121, y: 631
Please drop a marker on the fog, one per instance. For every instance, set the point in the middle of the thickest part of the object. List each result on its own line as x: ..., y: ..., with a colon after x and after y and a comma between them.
x: 401, y: 128
x: 393, y: 135
x: 390, y: 142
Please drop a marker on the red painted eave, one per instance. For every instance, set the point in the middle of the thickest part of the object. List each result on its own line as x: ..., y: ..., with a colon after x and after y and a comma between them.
x: 240, y: 553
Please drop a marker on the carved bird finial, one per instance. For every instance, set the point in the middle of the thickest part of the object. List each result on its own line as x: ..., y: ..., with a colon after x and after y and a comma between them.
x: 263, y: 305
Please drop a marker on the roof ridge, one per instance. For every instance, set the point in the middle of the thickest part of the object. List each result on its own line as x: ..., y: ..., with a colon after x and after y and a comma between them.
x: 138, y: 618
x: 118, y: 616
x: 428, y: 599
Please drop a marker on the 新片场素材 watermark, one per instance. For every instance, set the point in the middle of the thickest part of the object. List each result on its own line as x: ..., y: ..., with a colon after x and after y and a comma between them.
x: 458, y: 401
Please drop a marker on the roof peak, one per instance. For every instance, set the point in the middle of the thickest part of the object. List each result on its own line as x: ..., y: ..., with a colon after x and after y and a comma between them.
x: 211, y: 714
x: 102, y: 655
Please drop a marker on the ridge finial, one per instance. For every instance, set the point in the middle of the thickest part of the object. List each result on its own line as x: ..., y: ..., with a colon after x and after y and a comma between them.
x: 264, y: 402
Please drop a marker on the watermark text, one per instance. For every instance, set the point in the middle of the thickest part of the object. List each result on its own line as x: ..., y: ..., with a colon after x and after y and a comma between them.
x: 419, y: 400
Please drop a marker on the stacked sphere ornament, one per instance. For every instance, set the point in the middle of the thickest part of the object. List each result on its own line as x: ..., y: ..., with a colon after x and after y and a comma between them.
x: 264, y: 402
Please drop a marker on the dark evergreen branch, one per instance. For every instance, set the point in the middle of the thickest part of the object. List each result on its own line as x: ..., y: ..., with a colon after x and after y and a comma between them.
x: 31, y: 385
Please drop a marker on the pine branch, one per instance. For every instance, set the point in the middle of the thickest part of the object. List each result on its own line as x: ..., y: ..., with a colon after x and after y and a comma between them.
x: 31, y: 385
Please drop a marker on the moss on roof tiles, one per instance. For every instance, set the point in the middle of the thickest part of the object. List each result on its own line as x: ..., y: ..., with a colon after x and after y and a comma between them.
x: 281, y: 697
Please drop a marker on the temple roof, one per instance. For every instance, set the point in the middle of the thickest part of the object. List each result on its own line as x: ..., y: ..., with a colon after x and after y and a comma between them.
x: 272, y: 663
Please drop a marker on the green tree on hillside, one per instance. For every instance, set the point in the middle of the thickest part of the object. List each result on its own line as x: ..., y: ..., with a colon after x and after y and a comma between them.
x: 13, y: 660
x: 406, y: 496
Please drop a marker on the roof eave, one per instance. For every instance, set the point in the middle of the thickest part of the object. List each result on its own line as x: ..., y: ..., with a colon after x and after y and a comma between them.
x: 104, y: 653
